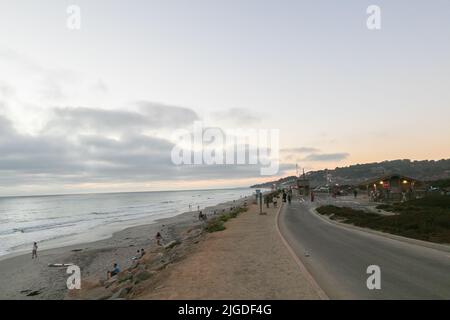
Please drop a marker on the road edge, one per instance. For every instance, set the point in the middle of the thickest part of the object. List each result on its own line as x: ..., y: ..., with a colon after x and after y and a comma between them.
x: 322, y: 295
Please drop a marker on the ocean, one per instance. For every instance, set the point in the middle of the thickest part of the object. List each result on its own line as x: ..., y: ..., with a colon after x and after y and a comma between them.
x: 59, y: 220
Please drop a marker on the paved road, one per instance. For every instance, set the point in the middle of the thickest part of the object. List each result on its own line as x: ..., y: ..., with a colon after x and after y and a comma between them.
x: 339, y: 257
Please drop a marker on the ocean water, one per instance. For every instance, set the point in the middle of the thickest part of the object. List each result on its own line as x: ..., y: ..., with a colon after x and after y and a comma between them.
x: 68, y: 219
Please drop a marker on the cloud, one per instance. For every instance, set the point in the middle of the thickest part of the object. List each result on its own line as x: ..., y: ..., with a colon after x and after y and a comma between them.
x: 299, y: 150
x: 166, y: 115
x: 239, y: 116
x: 77, y: 157
x: 326, y: 156
x: 147, y: 116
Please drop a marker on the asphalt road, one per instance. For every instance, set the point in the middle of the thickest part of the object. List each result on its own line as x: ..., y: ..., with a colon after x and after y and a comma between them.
x: 337, y: 258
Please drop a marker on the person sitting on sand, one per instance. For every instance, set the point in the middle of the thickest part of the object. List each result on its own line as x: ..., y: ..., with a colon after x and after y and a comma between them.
x: 34, y: 251
x: 201, y: 216
x: 137, y: 256
x: 114, y: 271
x: 158, y: 238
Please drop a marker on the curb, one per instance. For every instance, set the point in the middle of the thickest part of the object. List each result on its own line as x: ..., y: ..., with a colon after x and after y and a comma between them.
x: 322, y: 295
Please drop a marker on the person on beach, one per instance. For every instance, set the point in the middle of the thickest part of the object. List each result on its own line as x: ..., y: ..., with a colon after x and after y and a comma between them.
x: 34, y: 251
x: 355, y: 193
x: 201, y: 216
x: 158, y: 238
x: 114, y: 271
x: 142, y: 253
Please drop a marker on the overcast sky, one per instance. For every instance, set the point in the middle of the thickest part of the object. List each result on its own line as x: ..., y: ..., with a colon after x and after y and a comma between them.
x: 92, y: 110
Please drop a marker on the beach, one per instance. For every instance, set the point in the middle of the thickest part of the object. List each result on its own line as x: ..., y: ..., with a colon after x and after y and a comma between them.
x: 248, y: 260
x: 24, y: 278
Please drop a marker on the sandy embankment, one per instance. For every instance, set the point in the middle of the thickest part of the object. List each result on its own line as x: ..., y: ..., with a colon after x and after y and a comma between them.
x: 248, y: 260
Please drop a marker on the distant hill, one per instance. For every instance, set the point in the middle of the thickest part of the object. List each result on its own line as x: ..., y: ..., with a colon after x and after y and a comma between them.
x: 426, y: 170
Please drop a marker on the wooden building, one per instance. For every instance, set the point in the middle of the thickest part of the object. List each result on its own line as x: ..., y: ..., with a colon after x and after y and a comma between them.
x: 393, y: 187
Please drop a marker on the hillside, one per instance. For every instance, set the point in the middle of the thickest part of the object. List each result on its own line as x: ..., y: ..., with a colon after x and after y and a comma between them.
x: 426, y: 170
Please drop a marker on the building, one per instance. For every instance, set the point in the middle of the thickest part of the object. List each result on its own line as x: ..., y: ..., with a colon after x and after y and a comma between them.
x: 393, y: 187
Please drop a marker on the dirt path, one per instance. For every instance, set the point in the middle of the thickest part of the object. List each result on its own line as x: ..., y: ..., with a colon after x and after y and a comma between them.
x: 248, y: 260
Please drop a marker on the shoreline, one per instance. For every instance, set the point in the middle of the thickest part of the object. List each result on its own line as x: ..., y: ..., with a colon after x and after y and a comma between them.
x: 24, y: 278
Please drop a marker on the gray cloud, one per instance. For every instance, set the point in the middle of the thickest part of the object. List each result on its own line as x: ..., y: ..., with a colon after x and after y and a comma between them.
x: 326, y: 156
x: 167, y: 116
x: 147, y: 116
x: 299, y: 150
x: 78, y: 157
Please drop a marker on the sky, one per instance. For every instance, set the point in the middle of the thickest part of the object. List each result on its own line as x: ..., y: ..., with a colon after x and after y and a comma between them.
x: 92, y: 110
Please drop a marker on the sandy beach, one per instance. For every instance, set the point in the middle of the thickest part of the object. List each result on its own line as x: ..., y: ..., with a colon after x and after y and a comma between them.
x: 247, y: 260
x: 24, y: 278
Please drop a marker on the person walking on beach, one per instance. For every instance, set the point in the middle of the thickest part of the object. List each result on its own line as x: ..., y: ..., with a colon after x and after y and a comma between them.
x: 355, y: 193
x: 34, y: 251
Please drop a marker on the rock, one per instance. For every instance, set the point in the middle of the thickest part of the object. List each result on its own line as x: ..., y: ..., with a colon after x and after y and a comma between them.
x: 124, y: 276
x: 110, y: 281
x: 98, y: 293
x: 160, y: 266
x: 172, y: 244
x: 121, y: 294
x: 34, y: 293
x: 142, y: 276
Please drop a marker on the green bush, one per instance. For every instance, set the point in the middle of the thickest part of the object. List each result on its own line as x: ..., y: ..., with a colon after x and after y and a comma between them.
x: 217, y: 224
